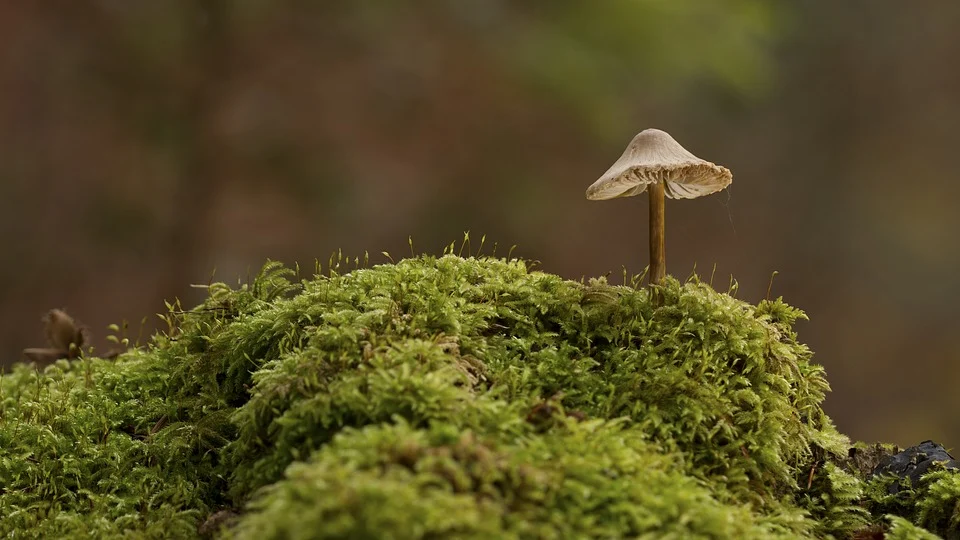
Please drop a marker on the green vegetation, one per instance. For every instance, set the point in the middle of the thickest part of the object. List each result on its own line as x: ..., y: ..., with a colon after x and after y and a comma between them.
x: 442, y: 397
x: 934, y: 504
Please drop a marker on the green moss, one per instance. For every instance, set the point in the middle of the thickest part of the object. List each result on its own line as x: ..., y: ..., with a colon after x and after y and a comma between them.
x: 934, y: 504
x: 901, y: 529
x: 434, y: 397
x: 732, y: 390
x: 593, y: 478
x: 833, y: 500
x: 79, y: 458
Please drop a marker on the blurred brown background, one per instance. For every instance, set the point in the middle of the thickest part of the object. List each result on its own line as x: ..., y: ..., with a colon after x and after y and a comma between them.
x: 144, y: 143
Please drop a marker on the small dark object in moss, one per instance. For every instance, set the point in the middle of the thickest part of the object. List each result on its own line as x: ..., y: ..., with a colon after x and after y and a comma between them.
x: 863, y: 458
x: 217, y: 522
x: 914, y: 462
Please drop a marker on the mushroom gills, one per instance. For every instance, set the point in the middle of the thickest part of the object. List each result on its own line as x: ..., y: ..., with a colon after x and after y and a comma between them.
x: 680, y: 183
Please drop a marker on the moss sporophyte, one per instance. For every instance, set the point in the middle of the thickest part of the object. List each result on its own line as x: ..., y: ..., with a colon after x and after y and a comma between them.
x: 445, y: 397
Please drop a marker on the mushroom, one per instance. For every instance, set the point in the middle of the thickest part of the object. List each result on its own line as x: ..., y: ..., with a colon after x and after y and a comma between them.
x: 654, y: 161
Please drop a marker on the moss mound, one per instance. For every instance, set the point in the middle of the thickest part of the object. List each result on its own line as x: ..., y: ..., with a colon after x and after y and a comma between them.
x: 441, y: 397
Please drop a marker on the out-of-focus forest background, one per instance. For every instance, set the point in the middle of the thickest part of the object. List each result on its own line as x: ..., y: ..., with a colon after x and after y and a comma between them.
x: 143, y: 144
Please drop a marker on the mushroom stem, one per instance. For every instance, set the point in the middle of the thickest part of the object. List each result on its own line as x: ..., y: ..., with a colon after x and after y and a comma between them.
x: 658, y: 256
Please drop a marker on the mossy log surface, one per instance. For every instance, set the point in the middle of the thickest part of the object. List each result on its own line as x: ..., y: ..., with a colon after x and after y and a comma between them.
x: 448, y: 397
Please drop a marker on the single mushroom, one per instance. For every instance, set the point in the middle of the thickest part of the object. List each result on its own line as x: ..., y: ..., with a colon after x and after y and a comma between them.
x: 655, y: 162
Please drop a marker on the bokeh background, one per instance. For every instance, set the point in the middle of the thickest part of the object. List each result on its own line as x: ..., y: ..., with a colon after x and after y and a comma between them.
x: 143, y: 144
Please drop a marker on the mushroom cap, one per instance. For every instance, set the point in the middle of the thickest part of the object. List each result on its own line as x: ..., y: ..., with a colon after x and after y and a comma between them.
x: 654, y: 156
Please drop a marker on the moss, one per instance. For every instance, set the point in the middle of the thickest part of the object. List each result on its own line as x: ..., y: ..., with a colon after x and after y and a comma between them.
x: 902, y: 529
x: 436, y: 397
x: 934, y: 504
x: 79, y: 456
x: 594, y: 478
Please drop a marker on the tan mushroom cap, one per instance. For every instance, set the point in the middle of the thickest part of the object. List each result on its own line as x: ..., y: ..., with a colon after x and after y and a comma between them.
x: 654, y: 156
